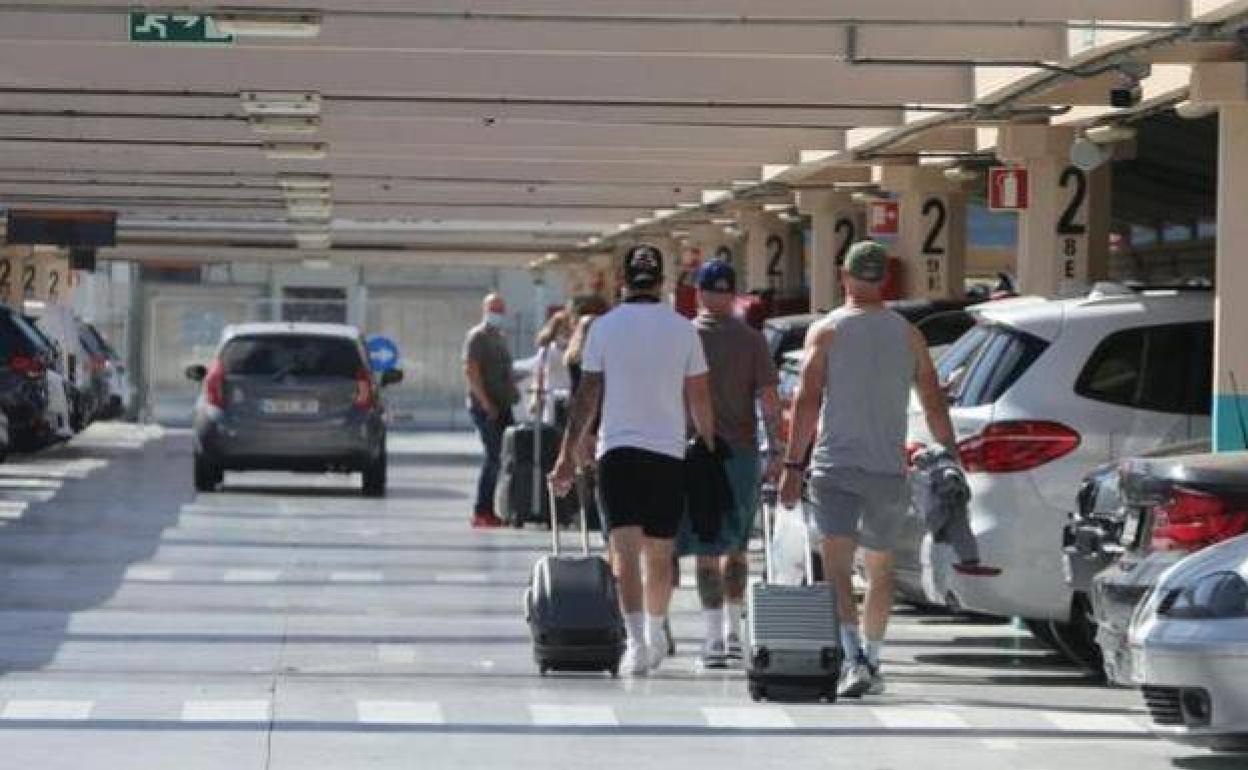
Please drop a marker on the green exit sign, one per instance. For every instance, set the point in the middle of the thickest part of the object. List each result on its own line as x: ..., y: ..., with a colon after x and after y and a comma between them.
x: 175, y: 28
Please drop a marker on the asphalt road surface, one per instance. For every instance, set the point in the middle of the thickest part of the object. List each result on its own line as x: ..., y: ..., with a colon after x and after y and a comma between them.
x: 289, y: 623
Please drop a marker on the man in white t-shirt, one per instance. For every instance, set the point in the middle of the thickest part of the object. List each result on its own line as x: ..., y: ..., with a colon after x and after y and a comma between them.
x: 644, y: 368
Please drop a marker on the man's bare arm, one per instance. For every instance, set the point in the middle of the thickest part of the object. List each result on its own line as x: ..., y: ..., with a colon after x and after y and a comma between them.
x: 698, y: 397
x: 769, y: 399
x: 809, y: 393
x: 931, y: 395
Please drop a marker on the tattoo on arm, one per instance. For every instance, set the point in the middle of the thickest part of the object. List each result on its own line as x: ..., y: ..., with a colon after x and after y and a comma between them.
x: 585, y: 405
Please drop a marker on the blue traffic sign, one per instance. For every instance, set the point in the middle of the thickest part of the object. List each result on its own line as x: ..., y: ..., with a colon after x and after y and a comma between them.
x: 383, y: 354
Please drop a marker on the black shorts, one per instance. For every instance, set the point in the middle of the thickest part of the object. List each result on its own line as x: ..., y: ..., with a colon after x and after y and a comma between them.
x: 637, y: 488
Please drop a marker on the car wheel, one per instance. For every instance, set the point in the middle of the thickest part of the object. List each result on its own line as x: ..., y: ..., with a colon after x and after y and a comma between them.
x: 375, y: 477
x: 208, y: 476
x: 1076, y: 640
x: 1043, y: 633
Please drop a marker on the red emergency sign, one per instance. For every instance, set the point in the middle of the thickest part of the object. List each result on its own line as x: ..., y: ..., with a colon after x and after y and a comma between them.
x: 883, y: 218
x: 1008, y: 189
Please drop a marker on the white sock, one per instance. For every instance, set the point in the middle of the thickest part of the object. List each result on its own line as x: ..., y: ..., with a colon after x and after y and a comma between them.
x: 655, y: 635
x: 732, y: 619
x: 635, y: 625
x: 851, y: 641
x: 873, y: 651
x: 714, y: 624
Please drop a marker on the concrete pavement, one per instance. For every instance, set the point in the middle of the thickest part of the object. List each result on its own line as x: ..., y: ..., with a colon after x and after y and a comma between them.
x: 288, y: 622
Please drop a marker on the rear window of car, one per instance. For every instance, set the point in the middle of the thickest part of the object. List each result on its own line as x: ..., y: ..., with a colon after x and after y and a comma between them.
x: 945, y: 328
x: 982, y: 365
x: 16, y: 337
x: 1166, y: 368
x: 292, y: 355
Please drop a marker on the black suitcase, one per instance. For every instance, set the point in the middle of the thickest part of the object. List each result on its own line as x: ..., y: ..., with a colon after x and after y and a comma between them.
x: 573, y: 611
x: 794, y: 632
x: 514, y: 499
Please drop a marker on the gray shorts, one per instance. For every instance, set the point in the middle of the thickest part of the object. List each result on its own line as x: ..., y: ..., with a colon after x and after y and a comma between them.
x: 850, y: 502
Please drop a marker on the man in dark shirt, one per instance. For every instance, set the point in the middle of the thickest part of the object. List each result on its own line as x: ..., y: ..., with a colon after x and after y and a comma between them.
x: 491, y: 394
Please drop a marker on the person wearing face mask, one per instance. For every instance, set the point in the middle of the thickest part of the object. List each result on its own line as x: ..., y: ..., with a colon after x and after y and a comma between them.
x: 491, y: 394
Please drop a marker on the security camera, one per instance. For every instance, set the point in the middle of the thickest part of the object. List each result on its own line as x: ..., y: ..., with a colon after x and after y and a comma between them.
x: 1126, y: 96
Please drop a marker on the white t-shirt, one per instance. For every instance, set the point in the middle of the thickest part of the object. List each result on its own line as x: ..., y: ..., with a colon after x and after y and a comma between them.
x: 645, y: 351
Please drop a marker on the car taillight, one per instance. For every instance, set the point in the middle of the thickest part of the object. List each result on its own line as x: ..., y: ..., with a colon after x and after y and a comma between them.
x: 1016, y: 445
x: 363, y: 390
x: 214, y: 385
x: 98, y: 362
x: 1192, y: 520
x: 27, y: 365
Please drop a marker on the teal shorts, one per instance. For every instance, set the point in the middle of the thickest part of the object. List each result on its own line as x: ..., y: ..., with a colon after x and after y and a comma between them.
x: 744, y: 469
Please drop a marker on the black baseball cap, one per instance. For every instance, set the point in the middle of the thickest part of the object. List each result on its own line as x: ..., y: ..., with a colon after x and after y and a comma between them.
x: 718, y: 276
x: 643, y: 267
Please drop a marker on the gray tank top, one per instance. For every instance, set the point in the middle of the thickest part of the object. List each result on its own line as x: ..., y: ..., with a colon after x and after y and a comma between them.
x: 870, y: 368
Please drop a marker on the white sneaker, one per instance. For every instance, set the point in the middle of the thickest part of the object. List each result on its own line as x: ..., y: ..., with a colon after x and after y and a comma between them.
x: 736, y: 652
x: 636, y: 660
x: 657, y: 651
x: 714, y: 655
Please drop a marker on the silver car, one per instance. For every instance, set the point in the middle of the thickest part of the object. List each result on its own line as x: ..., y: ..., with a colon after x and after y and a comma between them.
x: 1190, y: 641
x: 293, y: 397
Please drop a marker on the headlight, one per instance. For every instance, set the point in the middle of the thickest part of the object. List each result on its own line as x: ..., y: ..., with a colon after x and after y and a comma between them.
x: 1212, y: 597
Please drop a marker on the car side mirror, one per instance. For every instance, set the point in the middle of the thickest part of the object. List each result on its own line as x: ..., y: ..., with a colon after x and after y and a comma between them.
x: 391, y: 377
x: 196, y: 372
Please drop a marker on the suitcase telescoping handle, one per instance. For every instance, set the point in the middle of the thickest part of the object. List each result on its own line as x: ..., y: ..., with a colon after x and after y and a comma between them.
x: 554, y: 517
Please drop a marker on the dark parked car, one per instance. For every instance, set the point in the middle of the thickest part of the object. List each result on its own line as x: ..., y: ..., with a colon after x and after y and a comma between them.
x: 24, y: 363
x: 1138, y: 519
x: 290, y: 396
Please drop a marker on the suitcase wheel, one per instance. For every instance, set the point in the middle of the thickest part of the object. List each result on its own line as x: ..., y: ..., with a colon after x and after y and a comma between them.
x: 614, y: 671
x: 543, y: 668
x: 757, y: 692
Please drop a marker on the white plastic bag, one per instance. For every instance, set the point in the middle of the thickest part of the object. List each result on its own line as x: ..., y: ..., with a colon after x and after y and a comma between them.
x: 789, y: 550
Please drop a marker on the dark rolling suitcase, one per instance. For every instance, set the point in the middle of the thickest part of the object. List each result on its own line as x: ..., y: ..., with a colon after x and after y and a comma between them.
x: 519, y: 498
x: 573, y: 611
x: 794, y: 633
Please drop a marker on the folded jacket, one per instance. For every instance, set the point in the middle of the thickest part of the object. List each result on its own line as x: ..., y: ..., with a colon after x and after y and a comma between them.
x: 943, y: 496
x: 708, y: 495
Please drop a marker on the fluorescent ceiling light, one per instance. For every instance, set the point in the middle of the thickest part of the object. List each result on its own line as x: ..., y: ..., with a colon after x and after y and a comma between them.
x: 772, y: 208
x: 310, y: 209
x: 266, y: 125
x: 724, y: 221
x: 268, y: 23
x: 1110, y: 134
x: 317, y: 264
x: 296, y: 150
x: 305, y: 182
x: 281, y: 103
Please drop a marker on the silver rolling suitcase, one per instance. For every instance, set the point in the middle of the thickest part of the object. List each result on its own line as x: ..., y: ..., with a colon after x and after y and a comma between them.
x: 794, y: 632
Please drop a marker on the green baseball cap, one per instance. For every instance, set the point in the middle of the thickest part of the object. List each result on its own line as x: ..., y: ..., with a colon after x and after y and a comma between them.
x: 867, y: 261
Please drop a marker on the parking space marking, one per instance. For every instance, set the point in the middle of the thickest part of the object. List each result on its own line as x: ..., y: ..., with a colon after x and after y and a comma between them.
x: 396, y: 653
x: 747, y: 717
x: 13, y: 509
x: 905, y: 718
x: 48, y: 709
x: 399, y: 712
x: 1100, y: 723
x: 356, y: 577
x: 225, y: 711
x: 251, y: 575
x: 572, y: 716
x: 147, y: 574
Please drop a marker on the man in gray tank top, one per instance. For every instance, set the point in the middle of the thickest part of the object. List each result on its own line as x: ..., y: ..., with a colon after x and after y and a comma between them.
x: 859, y: 365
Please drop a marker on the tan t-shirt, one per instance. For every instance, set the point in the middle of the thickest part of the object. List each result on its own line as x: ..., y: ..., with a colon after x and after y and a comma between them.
x: 740, y: 366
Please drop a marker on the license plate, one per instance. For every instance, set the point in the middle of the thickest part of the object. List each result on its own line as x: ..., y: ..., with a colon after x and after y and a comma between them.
x: 1131, y: 529
x: 289, y: 406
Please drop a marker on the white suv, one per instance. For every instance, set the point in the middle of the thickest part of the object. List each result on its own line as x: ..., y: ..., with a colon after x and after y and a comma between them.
x: 1041, y: 392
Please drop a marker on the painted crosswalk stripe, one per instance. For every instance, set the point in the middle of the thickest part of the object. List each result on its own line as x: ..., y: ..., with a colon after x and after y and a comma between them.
x: 251, y: 575
x: 47, y: 709
x: 1001, y: 744
x: 399, y: 712
x: 747, y: 717
x: 13, y: 509
x: 1103, y: 723
x: 225, y: 711
x: 575, y: 716
x: 145, y: 573
x: 461, y: 577
x: 919, y: 719
x: 396, y: 653
x: 356, y: 577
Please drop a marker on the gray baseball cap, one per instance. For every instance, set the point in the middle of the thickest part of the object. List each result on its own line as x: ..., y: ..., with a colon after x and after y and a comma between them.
x: 867, y: 261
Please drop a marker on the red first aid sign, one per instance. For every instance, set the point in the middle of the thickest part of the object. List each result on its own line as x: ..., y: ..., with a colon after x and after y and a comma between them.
x: 1008, y: 189
x: 883, y: 218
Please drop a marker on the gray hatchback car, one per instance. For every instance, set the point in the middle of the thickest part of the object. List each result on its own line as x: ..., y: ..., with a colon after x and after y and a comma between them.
x: 293, y: 397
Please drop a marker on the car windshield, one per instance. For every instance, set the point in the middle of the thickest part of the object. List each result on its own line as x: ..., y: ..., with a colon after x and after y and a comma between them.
x: 283, y: 355
x: 982, y: 365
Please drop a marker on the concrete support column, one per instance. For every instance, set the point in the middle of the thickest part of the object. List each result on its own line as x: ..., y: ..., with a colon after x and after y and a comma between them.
x: 767, y: 249
x: 713, y: 243
x: 836, y: 224
x: 932, y: 240
x: 1063, y: 236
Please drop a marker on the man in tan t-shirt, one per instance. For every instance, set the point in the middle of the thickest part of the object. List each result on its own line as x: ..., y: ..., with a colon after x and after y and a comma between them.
x: 741, y: 375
